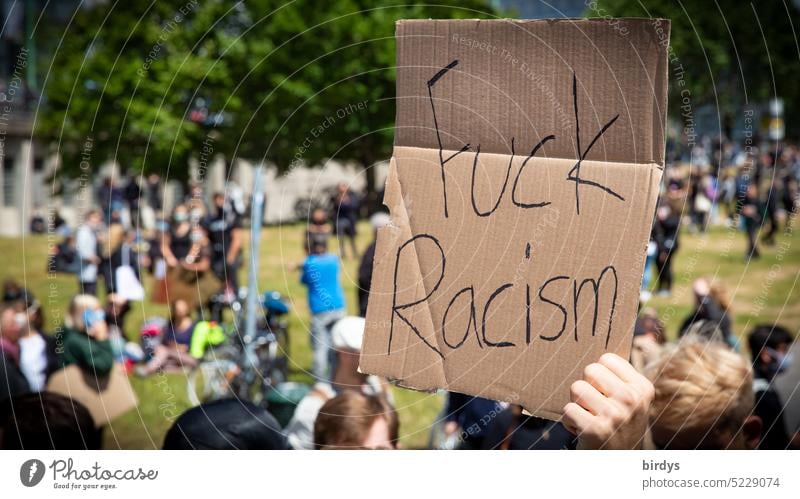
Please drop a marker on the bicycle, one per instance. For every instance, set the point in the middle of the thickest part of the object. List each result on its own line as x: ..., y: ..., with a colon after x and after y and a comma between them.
x: 241, y: 366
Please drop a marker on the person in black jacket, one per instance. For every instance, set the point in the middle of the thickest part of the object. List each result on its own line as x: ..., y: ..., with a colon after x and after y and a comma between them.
x: 665, y: 232
x: 769, y: 345
x: 752, y: 212
x: 712, y: 307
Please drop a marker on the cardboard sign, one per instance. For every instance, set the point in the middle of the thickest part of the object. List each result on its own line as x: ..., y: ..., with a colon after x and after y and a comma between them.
x: 522, y: 188
x: 105, y: 400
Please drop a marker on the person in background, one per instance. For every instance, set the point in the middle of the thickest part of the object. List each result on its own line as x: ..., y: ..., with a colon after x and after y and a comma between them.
x: 320, y: 275
x: 318, y: 229
x: 703, y: 399
x: 346, y: 207
x: 86, y: 245
x: 648, y: 339
x: 47, y: 421
x: 711, y: 306
x: 472, y: 416
x: 153, y: 191
x: 12, y: 380
x: 38, y: 356
x: 14, y: 292
x: 224, y: 229
x: 666, y: 229
x: 769, y: 349
x: 229, y: 424
x: 174, y: 348
x: 352, y: 420
x: 176, y: 241
x: 377, y: 220
x: 752, y: 216
x: 513, y: 430
x: 347, y: 336
x: 111, y: 247
x: 85, y: 337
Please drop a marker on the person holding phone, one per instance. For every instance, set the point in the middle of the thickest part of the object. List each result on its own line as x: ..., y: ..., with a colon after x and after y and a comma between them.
x: 85, y: 337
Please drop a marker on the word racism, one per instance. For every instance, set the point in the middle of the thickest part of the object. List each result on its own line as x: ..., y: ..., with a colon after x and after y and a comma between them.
x: 545, y: 292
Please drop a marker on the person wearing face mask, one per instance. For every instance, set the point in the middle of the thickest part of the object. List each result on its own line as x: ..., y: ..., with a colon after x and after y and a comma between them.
x: 769, y: 348
x: 85, y: 337
x: 12, y: 381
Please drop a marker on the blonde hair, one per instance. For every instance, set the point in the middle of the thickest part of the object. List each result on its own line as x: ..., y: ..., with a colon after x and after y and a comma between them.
x: 76, y: 307
x: 703, y: 395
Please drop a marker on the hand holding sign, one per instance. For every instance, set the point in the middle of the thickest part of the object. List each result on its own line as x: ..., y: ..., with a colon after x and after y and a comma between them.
x: 609, y: 405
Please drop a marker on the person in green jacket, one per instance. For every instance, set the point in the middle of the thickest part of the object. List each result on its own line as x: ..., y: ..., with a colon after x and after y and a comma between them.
x: 85, y: 337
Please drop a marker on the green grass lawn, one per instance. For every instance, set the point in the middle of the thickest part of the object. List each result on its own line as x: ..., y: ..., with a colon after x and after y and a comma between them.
x: 762, y: 291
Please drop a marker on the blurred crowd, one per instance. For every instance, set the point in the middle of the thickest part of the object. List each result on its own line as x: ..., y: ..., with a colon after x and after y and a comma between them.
x: 710, y: 387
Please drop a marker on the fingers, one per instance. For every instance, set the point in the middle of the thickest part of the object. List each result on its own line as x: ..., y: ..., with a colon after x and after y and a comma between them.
x: 620, y: 367
x: 576, y: 419
x: 602, y: 378
x: 588, y: 397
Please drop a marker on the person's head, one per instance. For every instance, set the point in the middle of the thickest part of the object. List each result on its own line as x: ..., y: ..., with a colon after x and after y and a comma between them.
x: 219, y: 200
x: 342, y: 188
x: 180, y: 214
x: 318, y: 216
x: 11, y: 328
x: 703, y: 399
x: 228, y: 424
x: 648, y: 325
x: 752, y: 190
x: 769, y: 349
x: 47, y: 421
x: 352, y: 420
x: 347, y: 334
x: 93, y: 218
x: 86, y: 315
x: 180, y: 309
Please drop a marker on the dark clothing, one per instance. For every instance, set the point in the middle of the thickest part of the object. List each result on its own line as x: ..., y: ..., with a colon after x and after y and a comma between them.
x: 88, y: 288
x: 665, y: 235
x: 509, y: 431
x: 180, y: 245
x: 709, y: 310
x: 123, y: 254
x: 12, y: 381
x: 770, y: 409
x: 220, y: 227
x: 346, y: 215
x: 473, y: 415
x: 177, y: 336
x: 752, y: 222
x: 365, y: 278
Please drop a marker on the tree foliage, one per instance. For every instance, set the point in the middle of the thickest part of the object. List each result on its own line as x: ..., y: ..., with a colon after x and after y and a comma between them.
x: 151, y: 84
x: 733, y: 53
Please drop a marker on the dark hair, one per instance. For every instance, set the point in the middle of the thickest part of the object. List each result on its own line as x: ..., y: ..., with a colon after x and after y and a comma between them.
x: 228, y: 424
x: 47, y: 421
x: 767, y: 336
x: 345, y: 420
